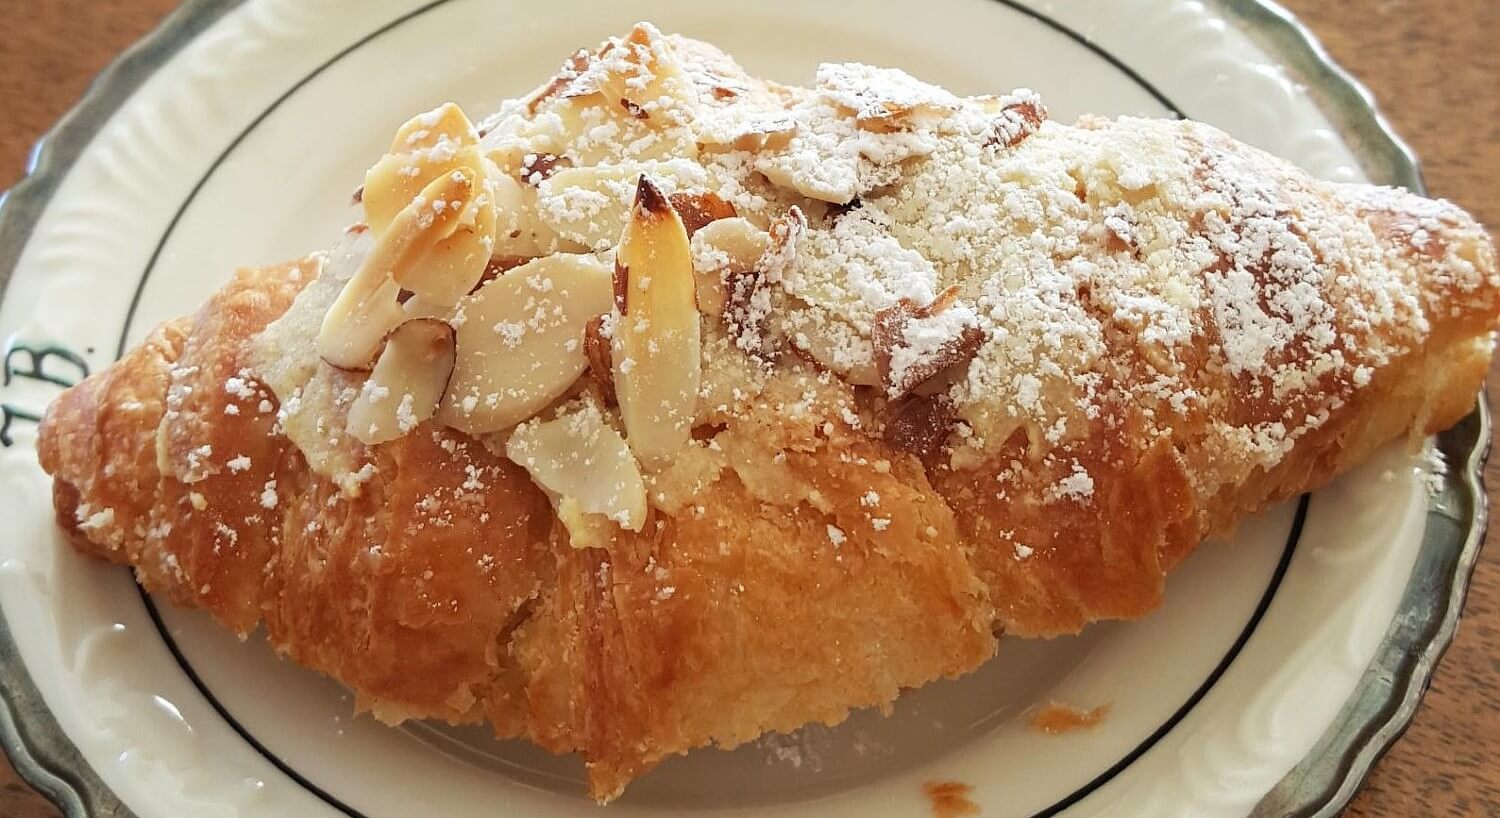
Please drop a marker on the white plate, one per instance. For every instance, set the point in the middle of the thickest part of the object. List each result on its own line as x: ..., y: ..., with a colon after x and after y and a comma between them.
x: 243, y: 147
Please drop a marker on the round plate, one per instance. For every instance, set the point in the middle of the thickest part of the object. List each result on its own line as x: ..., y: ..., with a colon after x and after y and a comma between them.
x: 234, y: 135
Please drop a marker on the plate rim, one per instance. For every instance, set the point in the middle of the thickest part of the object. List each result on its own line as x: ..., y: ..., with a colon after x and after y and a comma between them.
x: 1369, y: 723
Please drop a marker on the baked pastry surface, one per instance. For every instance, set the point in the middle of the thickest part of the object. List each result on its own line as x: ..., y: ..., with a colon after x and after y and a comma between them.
x: 756, y: 404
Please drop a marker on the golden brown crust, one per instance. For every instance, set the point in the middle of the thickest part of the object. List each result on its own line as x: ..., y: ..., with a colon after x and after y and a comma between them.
x: 102, y: 434
x: 446, y: 589
x: 726, y: 624
x: 1156, y: 497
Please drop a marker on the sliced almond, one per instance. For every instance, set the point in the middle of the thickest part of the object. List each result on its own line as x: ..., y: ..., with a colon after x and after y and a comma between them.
x: 634, y: 84
x: 738, y: 242
x: 404, y: 388
x: 356, y: 325
x: 830, y: 342
x: 454, y: 263
x: 657, y: 353
x: 597, y: 348
x: 369, y: 313
x: 723, y: 249
x: 518, y: 231
x: 1017, y: 116
x: 884, y: 99
x: 585, y: 465
x: 426, y: 147
x: 590, y: 205
x: 839, y: 185
x: 513, y: 136
x: 368, y: 307
x: 700, y: 208
x: 786, y: 230
x: 747, y: 306
x: 562, y: 83
x: 429, y: 149
x: 520, y: 341
x: 644, y: 74
x: 913, y: 344
x: 742, y: 128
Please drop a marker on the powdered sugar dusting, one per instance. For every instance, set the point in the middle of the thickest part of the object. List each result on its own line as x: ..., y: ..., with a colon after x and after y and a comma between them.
x: 1018, y: 291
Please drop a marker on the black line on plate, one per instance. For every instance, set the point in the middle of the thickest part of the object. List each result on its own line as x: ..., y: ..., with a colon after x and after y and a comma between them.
x: 213, y: 701
x: 1098, y: 50
x: 1293, y: 538
x: 332, y: 800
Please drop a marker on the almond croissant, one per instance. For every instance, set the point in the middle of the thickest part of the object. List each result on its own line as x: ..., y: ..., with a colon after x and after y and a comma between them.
x: 671, y: 406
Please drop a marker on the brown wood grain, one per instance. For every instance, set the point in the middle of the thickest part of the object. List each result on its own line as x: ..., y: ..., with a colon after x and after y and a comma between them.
x: 1435, y: 68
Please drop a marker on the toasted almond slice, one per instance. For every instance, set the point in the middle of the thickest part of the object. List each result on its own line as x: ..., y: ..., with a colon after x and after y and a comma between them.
x: 637, y: 86
x: 785, y: 170
x: 367, y: 308
x: 455, y: 264
x: 590, y: 205
x: 884, y: 99
x: 419, y: 226
x: 597, y: 349
x: 518, y: 231
x: 913, y: 344
x: 739, y: 249
x: 520, y: 341
x: 661, y: 62
x: 457, y: 228
x: 700, y: 208
x: 642, y: 73
x: 786, y: 230
x: 357, y: 323
x: 723, y: 249
x: 404, y: 388
x: 445, y: 123
x: 1017, y: 116
x: 426, y: 147
x: 747, y: 129
x: 565, y: 83
x: 831, y: 342
x: 657, y: 356
x: 511, y: 137
x: 585, y: 465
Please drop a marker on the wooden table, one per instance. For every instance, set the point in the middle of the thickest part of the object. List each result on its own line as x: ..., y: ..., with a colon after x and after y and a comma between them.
x: 1435, y: 68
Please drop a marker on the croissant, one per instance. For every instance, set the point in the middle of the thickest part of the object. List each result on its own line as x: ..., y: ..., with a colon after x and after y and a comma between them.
x: 669, y: 406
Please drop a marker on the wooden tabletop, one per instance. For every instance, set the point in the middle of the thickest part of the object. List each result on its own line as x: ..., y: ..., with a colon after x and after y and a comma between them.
x: 1435, y: 69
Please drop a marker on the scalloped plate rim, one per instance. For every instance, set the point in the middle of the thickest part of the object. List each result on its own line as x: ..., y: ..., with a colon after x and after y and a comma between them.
x: 47, y: 759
